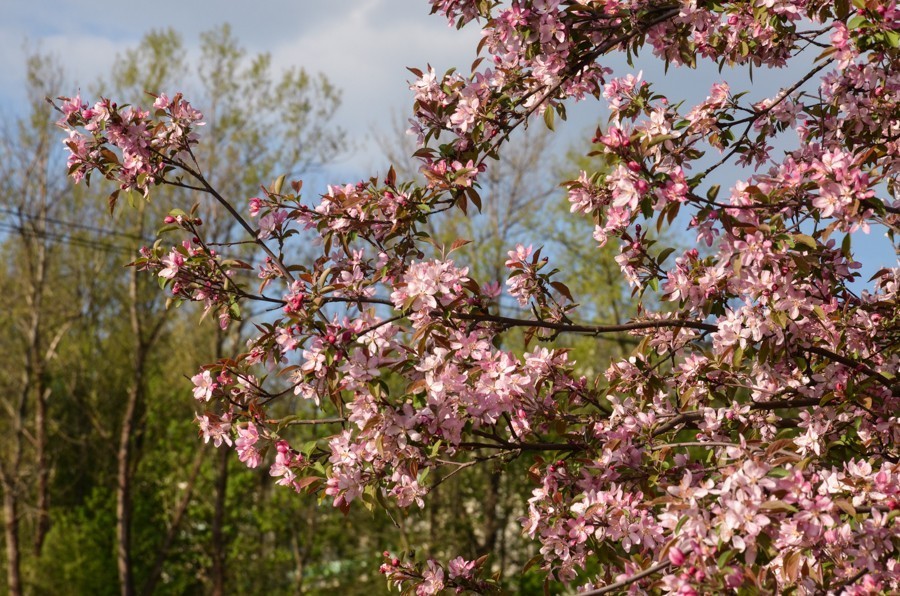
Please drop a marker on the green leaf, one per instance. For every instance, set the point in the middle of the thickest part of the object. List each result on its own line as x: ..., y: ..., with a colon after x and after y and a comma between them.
x: 778, y: 506
x: 167, y: 228
x: 548, y: 118
x: 660, y: 139
x: 276, y: 186
x: 724, y: 558
x: 680, y: 524
x: 893, y: 38
x: 664, y: 254
x: 779, y: 473
x: 855, y: 21
x: 805, y: 240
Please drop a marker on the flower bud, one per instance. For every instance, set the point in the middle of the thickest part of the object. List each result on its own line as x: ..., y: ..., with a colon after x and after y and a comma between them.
x: 676, y: 557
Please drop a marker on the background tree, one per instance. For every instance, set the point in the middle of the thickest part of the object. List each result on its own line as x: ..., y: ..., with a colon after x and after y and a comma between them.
x: 39, y: 313
x: 116, y: 422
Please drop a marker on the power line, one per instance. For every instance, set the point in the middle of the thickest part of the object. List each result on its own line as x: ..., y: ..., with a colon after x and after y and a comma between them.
x: 66, y: 239
x: 71, y: 224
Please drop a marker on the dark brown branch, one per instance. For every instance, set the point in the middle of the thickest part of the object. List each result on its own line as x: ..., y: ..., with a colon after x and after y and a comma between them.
x: 627, y: 581
x: 588, y: 329
x: 509, y: 446
x: 765, y: 406
x: 856, y: 365
x: 231, y: 210
x: 315, y: 422
x: 751, y: 120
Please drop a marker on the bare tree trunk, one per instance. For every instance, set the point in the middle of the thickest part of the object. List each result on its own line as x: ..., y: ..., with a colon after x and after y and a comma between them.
x: 129, y: 426
x: 38, y: 372
x: 43, y: 461
x: 123, y: 484
x: 491, y: 524
x: 42, y: 526
x: 299, y: 564
x: 219, y: 540
x: 219, y: 552
x: 11, y: 531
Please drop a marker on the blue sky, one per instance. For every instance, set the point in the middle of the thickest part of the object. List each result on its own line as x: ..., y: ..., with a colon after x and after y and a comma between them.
x: 363, y: 46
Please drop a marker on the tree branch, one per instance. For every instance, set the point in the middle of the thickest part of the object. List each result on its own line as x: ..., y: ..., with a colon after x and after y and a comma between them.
x: 627, y: 581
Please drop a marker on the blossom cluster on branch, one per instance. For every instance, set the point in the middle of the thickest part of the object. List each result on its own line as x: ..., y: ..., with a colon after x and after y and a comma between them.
x: 749, y: 442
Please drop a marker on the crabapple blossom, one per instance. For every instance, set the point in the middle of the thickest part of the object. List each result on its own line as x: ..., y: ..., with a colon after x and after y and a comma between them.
x: 748, y: 443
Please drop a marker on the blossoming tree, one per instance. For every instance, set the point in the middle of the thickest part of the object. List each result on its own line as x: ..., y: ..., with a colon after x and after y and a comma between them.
x: 749, y: 442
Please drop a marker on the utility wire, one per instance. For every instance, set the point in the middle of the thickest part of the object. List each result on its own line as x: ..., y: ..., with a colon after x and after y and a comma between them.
x: 71, y: 224
x: 66, y: 239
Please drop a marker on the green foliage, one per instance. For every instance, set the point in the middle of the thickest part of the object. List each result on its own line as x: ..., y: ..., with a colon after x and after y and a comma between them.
x: 77, y: 557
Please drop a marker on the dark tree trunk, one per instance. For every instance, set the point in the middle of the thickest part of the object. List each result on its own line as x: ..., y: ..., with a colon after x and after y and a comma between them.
x: 42, y: 527
x: 219, y: 550
x: 123, y: 487
x: 491, y: 523
x: 11, y: 531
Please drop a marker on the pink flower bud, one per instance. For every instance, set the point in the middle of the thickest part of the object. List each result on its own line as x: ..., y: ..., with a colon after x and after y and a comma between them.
x: 734, y: 579
x: 676, y: 557
x: 169, y: 219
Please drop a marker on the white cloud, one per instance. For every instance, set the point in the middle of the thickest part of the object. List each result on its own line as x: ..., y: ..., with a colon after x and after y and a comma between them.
x: 366, y: 53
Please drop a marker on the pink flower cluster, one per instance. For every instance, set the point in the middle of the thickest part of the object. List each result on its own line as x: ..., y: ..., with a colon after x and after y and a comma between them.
x: 143, y: 145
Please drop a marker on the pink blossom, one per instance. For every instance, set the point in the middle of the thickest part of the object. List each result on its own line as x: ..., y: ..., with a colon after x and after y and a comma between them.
x: 245, y: 445
x: 204, y: 385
